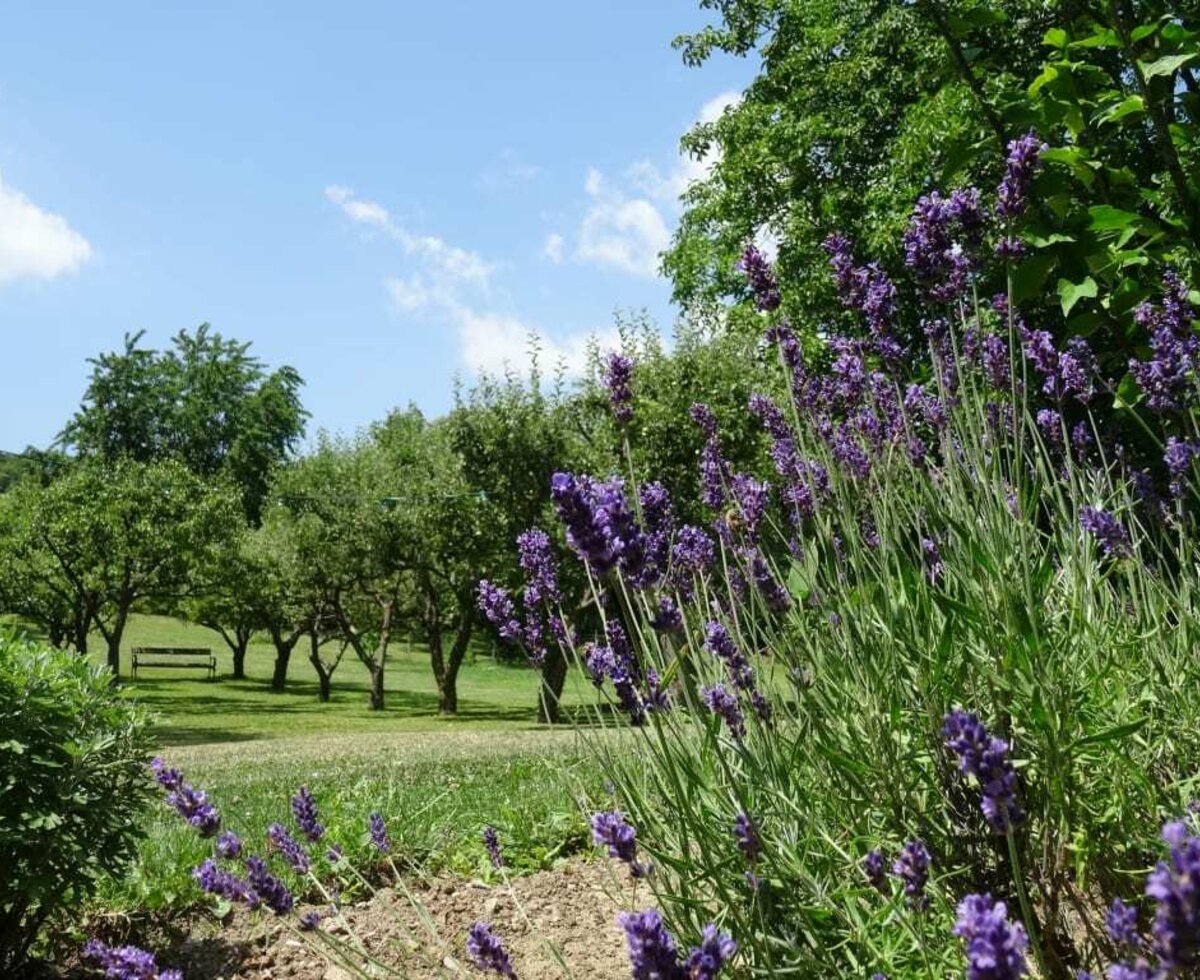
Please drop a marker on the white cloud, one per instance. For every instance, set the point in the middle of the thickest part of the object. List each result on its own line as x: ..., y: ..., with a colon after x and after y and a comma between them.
x: 409, y: 294
x: 35, y: 244
x: 552, y: 249
x: 491, y: 342
x: 442, y: 260
x: 621, y: 232
x: 510, y: 170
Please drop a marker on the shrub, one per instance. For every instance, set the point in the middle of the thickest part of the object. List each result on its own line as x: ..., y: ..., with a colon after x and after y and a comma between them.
x: 72, y: 786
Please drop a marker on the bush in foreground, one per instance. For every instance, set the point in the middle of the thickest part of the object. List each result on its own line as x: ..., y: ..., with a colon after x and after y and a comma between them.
x: 72, y: 786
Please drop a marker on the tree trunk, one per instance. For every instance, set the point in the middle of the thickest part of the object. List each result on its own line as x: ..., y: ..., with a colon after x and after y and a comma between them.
x: 377, y: 687
x: 446, y: 672
x: 239, y: 659
x: 554, y: 675
x: 283, y: 655
x: 323, y: 674
x: 113, y: 636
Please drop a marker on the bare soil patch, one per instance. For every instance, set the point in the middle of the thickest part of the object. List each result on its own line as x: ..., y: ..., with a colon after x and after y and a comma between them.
x: 571, y: 910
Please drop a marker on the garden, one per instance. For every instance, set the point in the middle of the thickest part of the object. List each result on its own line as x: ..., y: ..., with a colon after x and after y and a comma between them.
x: 852, y: 632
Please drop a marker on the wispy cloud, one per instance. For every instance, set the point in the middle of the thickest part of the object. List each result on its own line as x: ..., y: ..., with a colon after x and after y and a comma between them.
x: 626, y: 225
x: 510, y: 169
x: 36, y: 244
x: 552, y: 248
x: 452, y: 285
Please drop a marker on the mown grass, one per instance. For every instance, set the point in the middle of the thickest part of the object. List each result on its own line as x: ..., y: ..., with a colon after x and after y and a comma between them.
x: 189, y: 709
x: 437, y: 791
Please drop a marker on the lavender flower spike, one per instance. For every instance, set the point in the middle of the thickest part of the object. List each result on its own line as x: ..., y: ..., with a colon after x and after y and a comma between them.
x: 653, y: 954
x: 304, y: 809
x: 126, y: 962
x: 617, y: 375
x: 190, y: 803
x: 377, y: 830
x: 715, y: 950
x: 986, y: 758
x: 762, y: 280
x: 487, y: 952
x: 912, y: 868
x: 491, y: 841
x: 1174, y: 885
x: 995, y: 947
x: 613, y: 831
x: 875, y: 869
x: 1107, y: 530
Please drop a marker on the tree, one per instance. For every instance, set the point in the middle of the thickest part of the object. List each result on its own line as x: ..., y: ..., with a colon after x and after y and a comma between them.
x: 113, y: 535
x: 235, y: 596
x: 207, y: 403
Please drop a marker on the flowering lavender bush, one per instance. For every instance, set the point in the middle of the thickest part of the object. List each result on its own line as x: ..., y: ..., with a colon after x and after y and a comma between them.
x: 944, y: 630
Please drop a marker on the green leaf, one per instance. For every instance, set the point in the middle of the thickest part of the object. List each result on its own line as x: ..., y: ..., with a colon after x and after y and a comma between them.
x: 1128, y: 393
x: 1104, y: 217
x: 1167, y: 65
x: 1049, y: 74
x: 1126, y: 107
x: 1056, y: 37
x: 1114, y: 733
x: 1070, y: 293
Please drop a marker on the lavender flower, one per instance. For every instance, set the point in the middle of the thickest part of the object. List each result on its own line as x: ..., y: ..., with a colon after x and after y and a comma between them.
x: 599, y: 663
x: 612, y: 830
x: 536, y: 556
x: 751, y: 497
x: 705, y: 961
x: 309, y: 921
x: 718, y: 642
x: 293, y: 854
x: 491, y: 841
x: 762, y: 280
x: 720, y: 702
x: 304, y: 809
x: 875, y: 869
x: 1107, y: 530
x: 939, y: 243
x: 1174, y: 347
x: 866, y: 289
x: 377, y: 831
x: 1178, y: 458
x: 932, y: 557
x: 497, y: 608
x: 267, y: 887
x: 1024, y: 161
x: 1139, y: 969
x: 214, y: 880
x: 600, y: 526
x: 229, y: 846
x: 1121, y: 922
x: 618, y: 372
x: 745, y: 832
x: 668, y: 618
x: 986, y: 758
x: 653, y: 954
x: 126, y: 962
x: 487, y: 952
x: 912, y: 868
x: 693, y: 551
x: 995, y: 947
x: 191, y: 804
x: 1174, y: 885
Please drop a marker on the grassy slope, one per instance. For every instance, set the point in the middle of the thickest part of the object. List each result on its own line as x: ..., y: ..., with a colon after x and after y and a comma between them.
x: 193, y: 710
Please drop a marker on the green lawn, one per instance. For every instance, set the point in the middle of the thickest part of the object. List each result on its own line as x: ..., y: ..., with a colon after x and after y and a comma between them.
x: 191, y: 709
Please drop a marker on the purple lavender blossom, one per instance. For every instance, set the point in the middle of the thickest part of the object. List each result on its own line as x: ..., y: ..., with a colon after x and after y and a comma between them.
x: 761, y: 278
x: 309, y: 921
x: 866, y: 289
x: 653, y: 954
x: 125, y: 962
x: 214, y: 880
x: 1107, y: 530
x: 1178, y: 458
x: 668, y: 618
x: 912, y: 868
x: 536, y: 556
x: 613, y: 831
x: 995, y: 947
x: 720, y: 702
x: 745, y: 832
x: 1174, y: 346
x: 267, y: 887
x: 1139, y: 969
x: 600, y: 525
x: 289, y: 849
x: 599, y: 663
x: 1050, y: 422
x: 377, y: 831
x: 1174, y: 885
x: 693, y: 551
x: 229, y: 846
x: 487, y: 952
x: 986, y: 758
x: 497, y: 608
x: 657, y: 697
x: 304, y: 809
x: 931, y: 556
x: 1024, y: 161
x: 617, y: 375
x: 491, y: 841
x: 751, y: 496
x: 705, y: 961
x: 190, y: 803
x: 719, y: 643
x: 875, y: 868
x: 940, y: 241
x: 1121, y: 922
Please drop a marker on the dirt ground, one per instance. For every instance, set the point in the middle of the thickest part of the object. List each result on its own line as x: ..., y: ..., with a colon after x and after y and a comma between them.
x: 570, y: 911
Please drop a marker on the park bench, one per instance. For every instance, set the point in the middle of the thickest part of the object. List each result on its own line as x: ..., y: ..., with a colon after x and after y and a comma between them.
x: 200, y: 657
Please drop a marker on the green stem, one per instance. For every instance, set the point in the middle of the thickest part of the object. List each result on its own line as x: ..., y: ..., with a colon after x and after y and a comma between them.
x: 1031, y: 925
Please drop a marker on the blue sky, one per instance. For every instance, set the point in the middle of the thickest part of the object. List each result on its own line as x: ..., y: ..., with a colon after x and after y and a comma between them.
x: 382, y: 195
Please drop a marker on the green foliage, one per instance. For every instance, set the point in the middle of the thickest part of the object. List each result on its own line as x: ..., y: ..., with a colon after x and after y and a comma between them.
x: 207, y: 403
x: 73, y: 784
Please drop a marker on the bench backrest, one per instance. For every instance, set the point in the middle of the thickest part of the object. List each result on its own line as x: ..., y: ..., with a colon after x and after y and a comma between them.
x: 174, y: 651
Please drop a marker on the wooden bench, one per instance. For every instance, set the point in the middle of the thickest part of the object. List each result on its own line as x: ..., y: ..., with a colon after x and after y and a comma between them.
x: 201, y: 657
